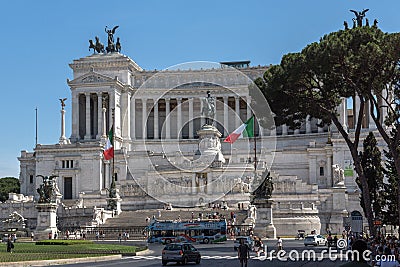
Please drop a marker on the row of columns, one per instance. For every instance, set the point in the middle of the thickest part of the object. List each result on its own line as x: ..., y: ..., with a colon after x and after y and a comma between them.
x: 100, y: 120
x: 180, y: 116
x: 98, y: 117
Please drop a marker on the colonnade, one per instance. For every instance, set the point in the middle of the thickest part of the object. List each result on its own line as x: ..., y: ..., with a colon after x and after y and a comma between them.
x: 173, y: 117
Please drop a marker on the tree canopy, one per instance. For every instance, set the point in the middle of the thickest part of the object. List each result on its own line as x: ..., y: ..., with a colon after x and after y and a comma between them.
x: 362, y: 63
x: 8, y: 185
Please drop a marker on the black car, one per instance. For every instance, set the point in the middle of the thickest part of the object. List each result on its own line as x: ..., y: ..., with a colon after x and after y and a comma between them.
x: 180, y: 253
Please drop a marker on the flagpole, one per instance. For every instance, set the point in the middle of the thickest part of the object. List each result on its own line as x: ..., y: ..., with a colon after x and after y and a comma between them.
x: 36, y: 129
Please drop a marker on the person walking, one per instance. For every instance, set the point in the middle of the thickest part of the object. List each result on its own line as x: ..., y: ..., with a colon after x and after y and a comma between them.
x: 10, y: 245
x: 279, y: 243
x: 243, y: 253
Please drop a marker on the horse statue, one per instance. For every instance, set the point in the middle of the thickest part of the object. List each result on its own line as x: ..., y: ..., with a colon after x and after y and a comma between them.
x: 97, y: 47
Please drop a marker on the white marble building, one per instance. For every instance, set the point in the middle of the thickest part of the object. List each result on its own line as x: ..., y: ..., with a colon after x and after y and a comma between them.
x: 157, y: 116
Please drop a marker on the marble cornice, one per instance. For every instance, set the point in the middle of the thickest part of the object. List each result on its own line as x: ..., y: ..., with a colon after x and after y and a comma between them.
x: 102, y: 61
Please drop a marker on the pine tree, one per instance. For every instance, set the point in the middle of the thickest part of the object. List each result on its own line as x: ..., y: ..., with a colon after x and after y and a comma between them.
x: 371, y: 160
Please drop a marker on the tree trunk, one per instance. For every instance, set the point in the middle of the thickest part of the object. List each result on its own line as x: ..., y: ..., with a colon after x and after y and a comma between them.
x: 353, y: 147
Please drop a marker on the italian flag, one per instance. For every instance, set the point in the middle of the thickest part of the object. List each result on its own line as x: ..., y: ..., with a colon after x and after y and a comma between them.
x: 244, y: 130
x: 109, y: 149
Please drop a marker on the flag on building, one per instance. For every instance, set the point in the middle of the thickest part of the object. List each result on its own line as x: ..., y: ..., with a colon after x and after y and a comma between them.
x: 244, y: 130
x: 109, y: 148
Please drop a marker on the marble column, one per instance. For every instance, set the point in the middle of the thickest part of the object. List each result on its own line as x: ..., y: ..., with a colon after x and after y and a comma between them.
x: 312, y: 169
x: 209, y: 183
x: 194, y: 188
x: 107, y: 173
x: 320, y: 129
x: 104, y: 121
x: 156, y: 136
x: 88, y: 133
x: 248, y: 102
x: 75, y: 116
x: 167, y: 119
x: 226, y: 121
x: 356, y: 109
x: 191, y: 135
x: 99, y: 115
x: 63, y: 139
x: 202, y: 119
x: 237, y: 112
x: 343, y: 113
x: 133, y: 118
x: 179, y: 118
x: 308, y: 124
x: 284, y: 129
x: 125, y: 118
x: 329, y: 167
x: 144, y: 118
x: 110, y: 113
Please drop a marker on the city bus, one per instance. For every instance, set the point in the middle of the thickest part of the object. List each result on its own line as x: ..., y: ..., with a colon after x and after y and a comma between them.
x: 203, y: 231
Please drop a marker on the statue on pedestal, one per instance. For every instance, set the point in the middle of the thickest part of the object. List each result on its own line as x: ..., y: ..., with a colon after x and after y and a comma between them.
x: 48, y: 190
x: 208, y: 110
x: 338, y: 175
x: 264, y: 190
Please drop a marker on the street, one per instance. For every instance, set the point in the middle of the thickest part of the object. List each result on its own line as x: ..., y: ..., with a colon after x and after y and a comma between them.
x: 224, y: 255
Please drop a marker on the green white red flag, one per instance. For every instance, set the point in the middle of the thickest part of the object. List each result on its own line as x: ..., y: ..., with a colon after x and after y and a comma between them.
x: 109, y: 148
x: 244, y: 130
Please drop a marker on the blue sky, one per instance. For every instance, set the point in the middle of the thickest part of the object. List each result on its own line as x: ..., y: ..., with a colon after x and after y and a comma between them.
x: 40, y: 38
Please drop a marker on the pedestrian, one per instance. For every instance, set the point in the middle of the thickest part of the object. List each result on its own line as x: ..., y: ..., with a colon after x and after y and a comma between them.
x: 50, y: 235
x: 119, y: 237
x: 360, y: 246
x: 243, y: 253
x: 32, y: 236
x: 279, y: 243
x: 10, y: 245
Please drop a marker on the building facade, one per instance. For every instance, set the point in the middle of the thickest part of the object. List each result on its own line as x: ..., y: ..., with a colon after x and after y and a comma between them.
x: 157, y: 117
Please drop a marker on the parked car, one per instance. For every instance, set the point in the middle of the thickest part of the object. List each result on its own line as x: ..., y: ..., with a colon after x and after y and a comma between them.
x: 247, y: 240
x: 315, y: 240
x: 180, y: 253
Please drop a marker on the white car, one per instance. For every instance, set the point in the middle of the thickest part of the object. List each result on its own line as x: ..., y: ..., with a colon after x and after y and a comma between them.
x: 315, y: 240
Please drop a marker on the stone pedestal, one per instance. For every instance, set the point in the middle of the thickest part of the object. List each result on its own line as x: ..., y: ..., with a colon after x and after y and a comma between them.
x: 46, y: 220
x: 338, y: 208
x: 209, y: 151
x: 264, y: 221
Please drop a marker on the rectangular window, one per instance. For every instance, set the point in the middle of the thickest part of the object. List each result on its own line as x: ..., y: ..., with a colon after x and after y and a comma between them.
x: 67, y: 164
x: 321, y: 171
x: 31, y: 179
x: 67, y: 187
